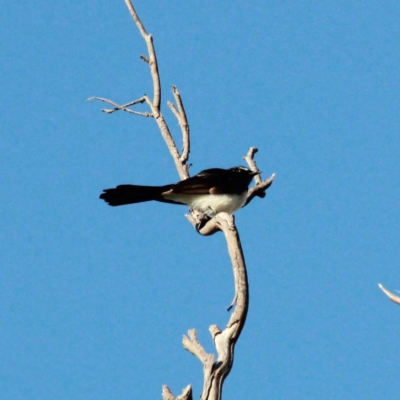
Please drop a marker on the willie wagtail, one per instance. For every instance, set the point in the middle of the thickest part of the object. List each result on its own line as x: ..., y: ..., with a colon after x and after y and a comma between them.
x: 210, y: 191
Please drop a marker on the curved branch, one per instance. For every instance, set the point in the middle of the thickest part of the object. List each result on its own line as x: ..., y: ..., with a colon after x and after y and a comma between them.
x: 215, y: 372
x: 392, y: 296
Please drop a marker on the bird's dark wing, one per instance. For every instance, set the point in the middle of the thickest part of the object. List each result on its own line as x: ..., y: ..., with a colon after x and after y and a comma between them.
x: 209, y: 181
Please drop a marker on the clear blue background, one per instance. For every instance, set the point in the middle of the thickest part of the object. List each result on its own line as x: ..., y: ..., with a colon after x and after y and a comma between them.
x: 94, y: 300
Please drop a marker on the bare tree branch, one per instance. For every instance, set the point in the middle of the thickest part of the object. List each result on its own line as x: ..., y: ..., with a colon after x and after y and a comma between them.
x: 215, y: 369
x: 186, y: 393
x: 215, y: 372
x: 180, y: 115
x: 155, y: 104
x: 249, y: 158
x: 123, y: 107
x: 152, y: 60
x: 392, y: 296
x: 259, y: 190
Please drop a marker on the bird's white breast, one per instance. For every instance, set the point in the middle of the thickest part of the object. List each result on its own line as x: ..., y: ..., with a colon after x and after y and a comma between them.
x: 212, y: 204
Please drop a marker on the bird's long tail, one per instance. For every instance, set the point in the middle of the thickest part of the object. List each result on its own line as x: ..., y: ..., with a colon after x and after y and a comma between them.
x: 130, y: 194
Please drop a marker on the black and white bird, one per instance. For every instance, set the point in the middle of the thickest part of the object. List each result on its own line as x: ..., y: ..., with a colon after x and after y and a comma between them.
x: 211, y: 191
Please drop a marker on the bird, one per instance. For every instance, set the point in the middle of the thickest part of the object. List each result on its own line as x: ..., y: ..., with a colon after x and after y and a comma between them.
x: 211, y: 191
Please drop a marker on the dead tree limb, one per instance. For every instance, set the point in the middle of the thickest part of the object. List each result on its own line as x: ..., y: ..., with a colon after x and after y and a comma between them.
x: 154, y: 104
x: 215, y: 369
x: 392, y: 296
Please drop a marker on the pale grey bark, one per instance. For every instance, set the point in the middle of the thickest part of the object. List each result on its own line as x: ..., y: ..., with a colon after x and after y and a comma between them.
x: 215, y: 368
x: 392, y: 296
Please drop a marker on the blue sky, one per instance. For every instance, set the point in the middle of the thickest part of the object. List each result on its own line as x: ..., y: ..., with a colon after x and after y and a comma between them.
x: 95, y: 300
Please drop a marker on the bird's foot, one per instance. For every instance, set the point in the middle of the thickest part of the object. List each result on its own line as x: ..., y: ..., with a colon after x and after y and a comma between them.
x: 200, y: 219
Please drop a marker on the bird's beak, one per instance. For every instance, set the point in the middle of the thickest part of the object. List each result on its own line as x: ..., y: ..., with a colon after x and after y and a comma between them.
x: 254, y: 173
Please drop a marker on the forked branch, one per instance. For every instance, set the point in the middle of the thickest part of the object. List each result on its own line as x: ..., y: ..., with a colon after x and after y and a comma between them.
x: 260, y: 188
x: 152, y: 59
x: 154, y: 104
x: 215, y: 370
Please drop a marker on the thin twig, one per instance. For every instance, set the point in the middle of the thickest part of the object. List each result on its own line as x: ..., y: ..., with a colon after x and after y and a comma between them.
x: 392, y: 296
x: 259, y: 190
x: 183, y: 124
x: 185, y: 133
x: 249, y: 158
x: 174, y: 110
x: 152, y: 60
x: 123, y: 107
